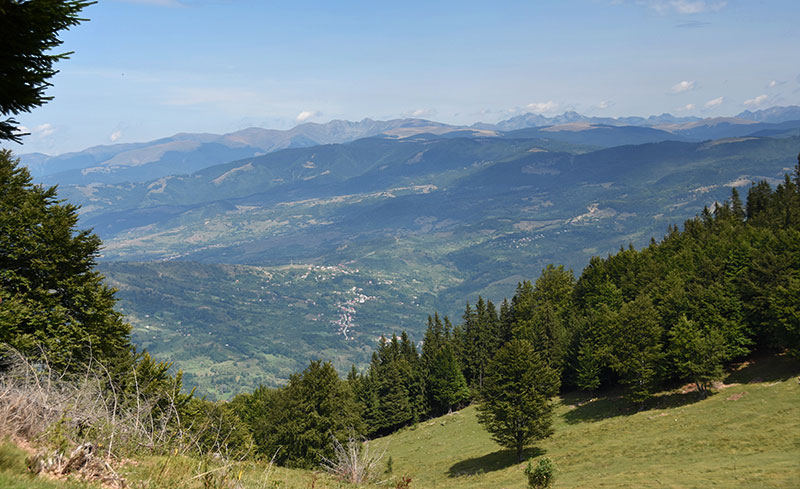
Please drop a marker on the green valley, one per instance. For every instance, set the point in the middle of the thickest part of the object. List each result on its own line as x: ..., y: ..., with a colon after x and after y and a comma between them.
x: 414, y: 238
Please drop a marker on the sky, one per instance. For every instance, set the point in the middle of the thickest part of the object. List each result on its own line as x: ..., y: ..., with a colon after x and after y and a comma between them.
x: 145, y: 69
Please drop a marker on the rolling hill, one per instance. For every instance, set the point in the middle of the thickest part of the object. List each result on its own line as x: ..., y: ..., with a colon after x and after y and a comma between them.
x: 257, y: 262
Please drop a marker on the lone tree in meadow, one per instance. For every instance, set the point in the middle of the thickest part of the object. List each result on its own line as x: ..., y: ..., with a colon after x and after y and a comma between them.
x: 515, y: 402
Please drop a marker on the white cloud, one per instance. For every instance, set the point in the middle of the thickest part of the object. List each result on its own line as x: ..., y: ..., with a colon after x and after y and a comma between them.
x: 714, y: 102
x: 756, y: 101
x: 683, y: 86
x: 420, y: 113
x: 685, y: 108
x: 603, y: 104
x: 542, y: 107
x: 40, y: 131
x: 685, y: 6
x: 773, y: 84
x: 44, y: 130
x: 37, y: 133
x: 306, y: 115
x: 115, y: 136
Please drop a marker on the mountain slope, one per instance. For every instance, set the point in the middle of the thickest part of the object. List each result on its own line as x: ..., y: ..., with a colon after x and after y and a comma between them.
x: 740, y: 437
x: 413, y: 226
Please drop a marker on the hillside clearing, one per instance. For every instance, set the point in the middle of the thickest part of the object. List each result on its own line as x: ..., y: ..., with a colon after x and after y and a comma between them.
x: 745, y: 435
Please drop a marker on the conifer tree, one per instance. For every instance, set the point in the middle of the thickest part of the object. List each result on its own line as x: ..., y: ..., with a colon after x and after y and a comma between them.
x: 637, y: 348
x: 28, y: 31
x: 506, y: 323
x: 301, y: 418
x: 446, y: 383
x: 51, y: 294
x: 515, y: 404
x: 479, y: 337
x: 415, y: 377
x: 543, y: 313
x: 398, y: 388
x: 434, y: 338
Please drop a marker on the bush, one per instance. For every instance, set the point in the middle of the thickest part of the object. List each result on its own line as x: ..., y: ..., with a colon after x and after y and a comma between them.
x: 542, y: 475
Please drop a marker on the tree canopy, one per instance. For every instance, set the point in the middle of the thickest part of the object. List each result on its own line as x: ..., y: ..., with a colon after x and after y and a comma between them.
x: 50, y: 293
x: 29, y: 30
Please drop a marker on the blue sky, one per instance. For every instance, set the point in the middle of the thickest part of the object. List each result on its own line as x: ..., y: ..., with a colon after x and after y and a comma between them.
x: 145, y: 69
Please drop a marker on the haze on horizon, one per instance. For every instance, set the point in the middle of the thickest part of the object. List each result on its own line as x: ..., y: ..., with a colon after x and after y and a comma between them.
x: 144, y: 69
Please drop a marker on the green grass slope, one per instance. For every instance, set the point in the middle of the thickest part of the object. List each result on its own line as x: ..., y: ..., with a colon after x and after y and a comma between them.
x: 745, y: 435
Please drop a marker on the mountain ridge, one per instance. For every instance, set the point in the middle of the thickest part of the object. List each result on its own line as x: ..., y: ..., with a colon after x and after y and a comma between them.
x: 188, y: 152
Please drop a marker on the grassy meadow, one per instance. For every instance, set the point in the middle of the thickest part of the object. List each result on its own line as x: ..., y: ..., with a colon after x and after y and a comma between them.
x: 745, y: 435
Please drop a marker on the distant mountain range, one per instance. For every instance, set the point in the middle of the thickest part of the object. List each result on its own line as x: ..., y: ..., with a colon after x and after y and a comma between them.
x: 187, y: 153
x: 242, y: 256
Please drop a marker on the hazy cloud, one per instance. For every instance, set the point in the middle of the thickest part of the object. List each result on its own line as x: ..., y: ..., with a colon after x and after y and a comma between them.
x: 542, y: 107
x: 683, y: 86
x: 685, y: 108
x: 115, y: 136
x: 37, y: 133
x: 756, y: 101
x: 603, y: 104
x: 419, y: 113
x: 40, y: 131
x: 685, y: 6
x: 306, y: 115
x: 714, y: 103
x: 694, y: 24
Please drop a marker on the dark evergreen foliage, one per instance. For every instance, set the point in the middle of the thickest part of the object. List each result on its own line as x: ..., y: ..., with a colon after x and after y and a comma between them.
x: 28, y: 31
x: 51, y: 296
x: 702, y: 297
x: 295, y: 424
x: 515, y: 402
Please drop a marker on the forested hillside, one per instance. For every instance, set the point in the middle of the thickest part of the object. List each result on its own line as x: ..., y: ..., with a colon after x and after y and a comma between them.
x: 395, y: 230
x: 677, y: 311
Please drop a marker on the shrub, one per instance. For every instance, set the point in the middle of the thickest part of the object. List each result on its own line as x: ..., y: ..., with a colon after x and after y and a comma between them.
x: 542, y: 475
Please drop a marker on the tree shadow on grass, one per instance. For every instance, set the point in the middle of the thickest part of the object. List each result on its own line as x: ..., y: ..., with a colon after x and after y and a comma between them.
x: 585, y: 408
x: 763, y: 367
x: 491, y: 462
